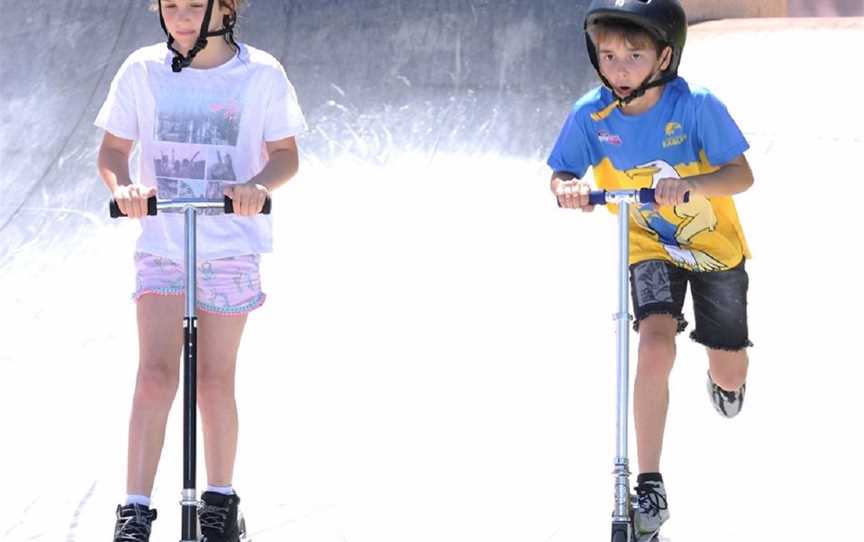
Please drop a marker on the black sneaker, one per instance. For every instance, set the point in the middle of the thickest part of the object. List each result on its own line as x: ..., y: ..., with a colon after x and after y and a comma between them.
x: 727, y: 403
x: 220, y: 519
x: 133, y: 523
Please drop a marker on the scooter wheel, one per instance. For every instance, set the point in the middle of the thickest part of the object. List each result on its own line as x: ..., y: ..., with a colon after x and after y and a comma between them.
x: 242, y: 533
x: 621, y: 532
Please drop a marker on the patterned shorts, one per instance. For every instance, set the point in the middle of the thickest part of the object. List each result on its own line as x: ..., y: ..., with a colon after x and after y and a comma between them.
x: 230, y: 286
x: 719, y: 301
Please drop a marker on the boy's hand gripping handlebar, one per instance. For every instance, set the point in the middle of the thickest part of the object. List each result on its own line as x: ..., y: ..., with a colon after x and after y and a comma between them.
x: 641, y: 195
x: 153, y: 205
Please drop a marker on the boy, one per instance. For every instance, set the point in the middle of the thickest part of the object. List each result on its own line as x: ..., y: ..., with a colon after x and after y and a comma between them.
x: 646, y: 127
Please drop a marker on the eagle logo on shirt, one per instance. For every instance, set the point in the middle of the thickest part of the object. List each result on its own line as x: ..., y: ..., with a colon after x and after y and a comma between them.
x: 674, y: 135
x: 697, y: 217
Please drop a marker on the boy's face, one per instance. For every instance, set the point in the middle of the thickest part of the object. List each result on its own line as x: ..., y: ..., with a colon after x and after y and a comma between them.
x: 626, y: 65
x: 183, y: 19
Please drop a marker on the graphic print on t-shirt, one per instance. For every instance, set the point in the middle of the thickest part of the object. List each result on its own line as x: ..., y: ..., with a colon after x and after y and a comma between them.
x: 195, y: 142
x: 697, y: 216
x: 188, y: 116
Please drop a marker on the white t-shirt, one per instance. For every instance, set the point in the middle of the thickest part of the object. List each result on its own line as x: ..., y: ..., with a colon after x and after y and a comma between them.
x: 197, y: 130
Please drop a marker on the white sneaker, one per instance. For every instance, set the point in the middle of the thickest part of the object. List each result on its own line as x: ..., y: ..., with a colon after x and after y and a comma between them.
x: 652, y: 511
x: 727, y: 403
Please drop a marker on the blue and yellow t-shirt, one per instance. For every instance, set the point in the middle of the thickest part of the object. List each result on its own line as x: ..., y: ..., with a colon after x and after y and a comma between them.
x: 687, y: 132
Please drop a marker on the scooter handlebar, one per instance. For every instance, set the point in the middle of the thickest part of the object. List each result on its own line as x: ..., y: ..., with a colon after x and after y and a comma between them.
x: 265, y: 210
x: 153, y: 205
x: 115, y: 212
x: 642, y: 195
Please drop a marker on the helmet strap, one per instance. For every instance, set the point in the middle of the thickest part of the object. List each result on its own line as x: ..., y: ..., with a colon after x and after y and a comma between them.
x: 620, y: 102
x: 180, y: 60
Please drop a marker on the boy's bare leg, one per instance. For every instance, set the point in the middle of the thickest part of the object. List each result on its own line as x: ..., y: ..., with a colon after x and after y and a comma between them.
x: 160, y: 339
x: 728, y: 369
x: 651, y: 395
x: 218, y: 340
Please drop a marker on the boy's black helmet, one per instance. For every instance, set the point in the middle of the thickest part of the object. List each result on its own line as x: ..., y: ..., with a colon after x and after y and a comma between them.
x: 179, y: 62
x: 664, y: 19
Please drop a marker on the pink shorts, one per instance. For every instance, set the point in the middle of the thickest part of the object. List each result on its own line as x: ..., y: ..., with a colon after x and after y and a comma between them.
x: 229, y: 286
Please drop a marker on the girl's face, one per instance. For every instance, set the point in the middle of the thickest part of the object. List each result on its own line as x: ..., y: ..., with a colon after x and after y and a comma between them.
x: 183, y: 19
x: 627, y: 65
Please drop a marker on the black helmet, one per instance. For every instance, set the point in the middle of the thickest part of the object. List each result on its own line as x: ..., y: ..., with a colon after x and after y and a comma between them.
x: 663, y: 19
x: 179, y: 62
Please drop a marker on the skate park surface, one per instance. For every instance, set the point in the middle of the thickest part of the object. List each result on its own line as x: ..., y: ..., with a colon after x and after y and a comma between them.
x: 435, y: 361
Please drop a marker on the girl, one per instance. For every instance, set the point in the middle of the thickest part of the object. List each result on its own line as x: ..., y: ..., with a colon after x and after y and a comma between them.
x: 210, y: 116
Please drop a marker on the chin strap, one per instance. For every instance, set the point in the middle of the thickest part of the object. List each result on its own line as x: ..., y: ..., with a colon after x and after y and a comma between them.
x: 640, y: 91
x: 180, y: 61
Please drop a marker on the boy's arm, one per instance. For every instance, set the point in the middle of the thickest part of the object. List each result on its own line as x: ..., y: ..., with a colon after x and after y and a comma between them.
x: 113, y: 165
x: 731, y: 178
x: 282, y: 165
x: 570, y: 191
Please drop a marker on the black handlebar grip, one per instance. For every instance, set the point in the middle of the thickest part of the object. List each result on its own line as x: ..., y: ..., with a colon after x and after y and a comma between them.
x: 229, y: 206
x: 114, y: 209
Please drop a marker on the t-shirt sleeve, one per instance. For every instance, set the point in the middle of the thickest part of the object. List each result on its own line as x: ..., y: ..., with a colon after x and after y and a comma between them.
x: 719, y: 135
x: 283, y: 117
x: 571, y: 152
x: 118, y: 113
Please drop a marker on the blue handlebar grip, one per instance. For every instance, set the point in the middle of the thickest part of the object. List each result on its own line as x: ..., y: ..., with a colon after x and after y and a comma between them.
x: 265, y: 210
x: 647, y: 195
x: 114, y: 209
x: 597, y: 197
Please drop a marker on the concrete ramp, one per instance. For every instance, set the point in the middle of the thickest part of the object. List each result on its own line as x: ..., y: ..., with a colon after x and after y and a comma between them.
x: 375, y: 77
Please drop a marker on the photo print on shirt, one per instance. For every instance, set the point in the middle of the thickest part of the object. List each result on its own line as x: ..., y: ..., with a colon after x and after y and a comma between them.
x: 179, y: 162
x: 187, y: 116
x: 220, y: 165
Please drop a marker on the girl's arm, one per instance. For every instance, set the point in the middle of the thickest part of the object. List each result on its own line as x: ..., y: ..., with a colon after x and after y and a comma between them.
x: 113, y: 161
x: 282, y: 165
x: 113, y: 165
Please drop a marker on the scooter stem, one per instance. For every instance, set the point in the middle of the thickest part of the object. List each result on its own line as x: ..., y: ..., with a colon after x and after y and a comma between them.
x: 190, y: 378
x: 622, y: 318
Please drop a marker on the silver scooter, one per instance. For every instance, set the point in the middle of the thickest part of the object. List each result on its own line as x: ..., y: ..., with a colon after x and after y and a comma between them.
x: 625, y: 507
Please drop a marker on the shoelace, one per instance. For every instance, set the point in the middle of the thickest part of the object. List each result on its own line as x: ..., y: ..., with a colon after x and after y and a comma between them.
x: 723, y: 395
x: 213, y: 517
x: 135, y: 526
x: 651, y: 501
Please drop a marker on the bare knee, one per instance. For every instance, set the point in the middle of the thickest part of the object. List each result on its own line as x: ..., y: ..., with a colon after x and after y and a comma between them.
x: 657, y: 346
x: 728, y: 369
x: 156, y: 384
x: 215, y: 384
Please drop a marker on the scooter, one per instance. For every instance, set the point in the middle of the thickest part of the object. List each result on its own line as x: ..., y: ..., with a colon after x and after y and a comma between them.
x: 190, y: 207
x: 625, y: 506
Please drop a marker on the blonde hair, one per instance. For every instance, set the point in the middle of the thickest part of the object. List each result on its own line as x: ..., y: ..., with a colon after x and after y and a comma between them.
x: 632, y: 34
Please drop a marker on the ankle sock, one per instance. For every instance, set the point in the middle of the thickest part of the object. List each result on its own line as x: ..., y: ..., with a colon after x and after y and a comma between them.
x: 224, y: 490
x: 143, y: 500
